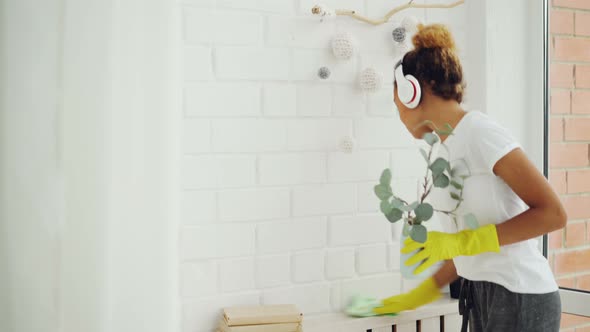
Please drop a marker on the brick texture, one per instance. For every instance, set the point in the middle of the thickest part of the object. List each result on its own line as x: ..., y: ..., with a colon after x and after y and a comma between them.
x: 562, y: 21
x: 570, y: 136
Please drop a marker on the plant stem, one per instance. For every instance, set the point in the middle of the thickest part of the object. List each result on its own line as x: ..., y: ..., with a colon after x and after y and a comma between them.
x: 426, y: 192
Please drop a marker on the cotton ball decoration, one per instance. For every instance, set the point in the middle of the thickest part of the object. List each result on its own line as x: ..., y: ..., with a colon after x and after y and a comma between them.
x: 324, y: 73
x: 402, y: 35
x: 370, y: 80
x: 399, y: 34
x: 347, y: 144
x: 343, y: 46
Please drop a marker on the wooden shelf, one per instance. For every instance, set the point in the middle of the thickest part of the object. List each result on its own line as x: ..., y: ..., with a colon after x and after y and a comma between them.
x: 340, y: 322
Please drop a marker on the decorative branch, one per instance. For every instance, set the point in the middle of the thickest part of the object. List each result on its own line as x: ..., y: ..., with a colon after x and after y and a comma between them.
x: 319, y: 10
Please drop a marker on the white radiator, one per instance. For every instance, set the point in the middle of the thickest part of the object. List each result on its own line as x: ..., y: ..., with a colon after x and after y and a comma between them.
x: 441, y: 316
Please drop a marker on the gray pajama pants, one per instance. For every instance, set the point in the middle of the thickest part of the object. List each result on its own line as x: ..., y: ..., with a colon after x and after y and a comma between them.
x: 489, y: 307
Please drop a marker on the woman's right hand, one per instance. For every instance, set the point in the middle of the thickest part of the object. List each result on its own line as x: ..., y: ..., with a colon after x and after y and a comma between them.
x: 425, y: 293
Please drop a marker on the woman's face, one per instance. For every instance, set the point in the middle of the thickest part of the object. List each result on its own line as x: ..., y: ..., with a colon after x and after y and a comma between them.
x: 411, y: 118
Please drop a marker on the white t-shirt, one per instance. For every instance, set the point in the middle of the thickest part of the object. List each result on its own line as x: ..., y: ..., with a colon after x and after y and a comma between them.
x: 480, y: 142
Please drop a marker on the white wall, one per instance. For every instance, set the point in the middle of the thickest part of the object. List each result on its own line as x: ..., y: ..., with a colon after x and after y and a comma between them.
x: 88, y: 166
x: 514, y: 70
x: 272, y: 211
x: 30, y: 201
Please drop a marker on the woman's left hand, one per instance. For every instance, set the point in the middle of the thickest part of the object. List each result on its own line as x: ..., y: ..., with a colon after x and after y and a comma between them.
x: 443, y: 246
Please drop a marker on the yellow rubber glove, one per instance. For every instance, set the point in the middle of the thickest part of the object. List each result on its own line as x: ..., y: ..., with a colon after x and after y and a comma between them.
x: 442, y: 246
x: 427, y: 292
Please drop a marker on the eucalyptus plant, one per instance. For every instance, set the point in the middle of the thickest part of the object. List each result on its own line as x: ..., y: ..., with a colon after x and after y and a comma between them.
x: 439, y: 174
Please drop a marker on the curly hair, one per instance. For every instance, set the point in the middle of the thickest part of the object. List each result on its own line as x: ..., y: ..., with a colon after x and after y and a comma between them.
x: 434, y: 62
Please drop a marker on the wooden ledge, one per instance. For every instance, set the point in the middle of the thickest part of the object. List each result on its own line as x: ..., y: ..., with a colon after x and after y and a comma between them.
x: 341, y: 322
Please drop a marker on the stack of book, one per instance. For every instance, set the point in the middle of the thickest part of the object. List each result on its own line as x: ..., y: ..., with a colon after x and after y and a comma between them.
x: 261, y: 318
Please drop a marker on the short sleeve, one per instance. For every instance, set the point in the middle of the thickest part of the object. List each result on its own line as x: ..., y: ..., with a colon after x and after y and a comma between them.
x: 490, y: 142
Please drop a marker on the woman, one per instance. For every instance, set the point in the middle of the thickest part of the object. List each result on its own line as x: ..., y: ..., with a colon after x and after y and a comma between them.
x: 508, y: 284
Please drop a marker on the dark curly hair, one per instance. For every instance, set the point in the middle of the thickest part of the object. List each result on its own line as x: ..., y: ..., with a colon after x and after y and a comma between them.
x: 434, y: 62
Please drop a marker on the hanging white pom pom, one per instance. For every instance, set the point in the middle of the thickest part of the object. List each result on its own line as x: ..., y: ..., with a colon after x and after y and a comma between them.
x: 347, y: 144
x: 370, y: 80
x: 410, y: 23
x: 343, y: 46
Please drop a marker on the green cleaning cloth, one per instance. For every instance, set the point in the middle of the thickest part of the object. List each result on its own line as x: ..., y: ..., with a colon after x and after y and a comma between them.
x: 362, y: 306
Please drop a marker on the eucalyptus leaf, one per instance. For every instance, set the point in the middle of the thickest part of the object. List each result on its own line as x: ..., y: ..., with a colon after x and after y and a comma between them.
x: 471, y: 221
x: 424, y: 154
x: 448, y: 130
x: 424, y: 212
x: 396, y: 203
x: 442, y: 181
x: 385, y: 178
x: 385, y: 206
x: 410, y: 207
x: 406, y: 229
x: 383, y: 191
x: 438, y: 166
x: 456, y: 184
x: 430, y: 138
x: 455, y: 196
x: 418, y: 233
x: 394, y: 215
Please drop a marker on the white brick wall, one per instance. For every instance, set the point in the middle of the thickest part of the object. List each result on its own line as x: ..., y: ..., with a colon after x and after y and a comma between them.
x: 298, y: 32
x: 238, y: 135
x: 208, y: 171
x: 292, y: 168
x: 198, y: 207
x: 248, y: 205
x: 382, y: 133
x: 371, y: 259
x: 311, y: 134
x: 199, y: 279
x: 348, y: 100
x: 237, y: 274
x: 223, y: 27
x: 272, y: 211
x: 273, y: 271
x: 196, y: 136
x: 278, y: 6
x: 294, y: 235
x: 249, y: 63
x: 357, y: 230
x: 314, y: 100
x: 222, y: 100
x: 357, y: 166
x: 279, y: 99
x: 323, y: 199
x: 308, y: 266
x: 198, y: 64
x: 340, y: 264
x: 311, y: 299
x: 217, y: 241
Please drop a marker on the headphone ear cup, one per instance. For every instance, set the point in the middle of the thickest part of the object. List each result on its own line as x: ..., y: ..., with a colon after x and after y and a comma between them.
x: 416, y: 92
x: 405, y: 89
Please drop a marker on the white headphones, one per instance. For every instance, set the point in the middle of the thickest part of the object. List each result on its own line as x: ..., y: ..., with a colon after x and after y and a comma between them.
x: 408, y: 87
